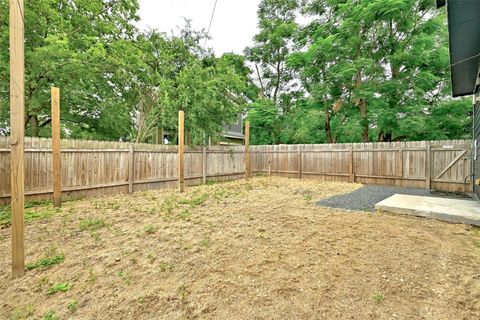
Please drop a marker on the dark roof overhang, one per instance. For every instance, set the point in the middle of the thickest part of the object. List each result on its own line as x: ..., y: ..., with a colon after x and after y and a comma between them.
x: 464, y: 39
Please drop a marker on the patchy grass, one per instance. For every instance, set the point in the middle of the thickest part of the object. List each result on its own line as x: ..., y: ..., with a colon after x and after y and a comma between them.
x: 50, y: 315
x: 264, y: 237
x: 151, y: 257
x: 72, y: 306
x: 169, y: 204
x: 195, y: 201
x: 23, y: 312
x: 51, y: 259
x: 92, y: 224
x: 205, y: 242
x: 164, y: 267
x: 59, y: 287
x: 378, y: 297
x: 185, y: 214
x: 127, y: 278
x: 30, y: 214
x: 150, y: 229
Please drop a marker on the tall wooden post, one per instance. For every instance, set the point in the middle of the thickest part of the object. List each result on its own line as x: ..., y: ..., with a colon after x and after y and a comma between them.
x: 17, y: 118
x: 247, y: 149
x: 181, y: 150
x: 56, y: 155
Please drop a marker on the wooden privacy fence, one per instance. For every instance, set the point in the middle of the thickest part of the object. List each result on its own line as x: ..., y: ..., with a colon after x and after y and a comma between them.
x: 441, y: 165
x: 92, y: 168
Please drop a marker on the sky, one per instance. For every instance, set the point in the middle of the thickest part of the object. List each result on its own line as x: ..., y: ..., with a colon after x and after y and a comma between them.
x: 234, y: 23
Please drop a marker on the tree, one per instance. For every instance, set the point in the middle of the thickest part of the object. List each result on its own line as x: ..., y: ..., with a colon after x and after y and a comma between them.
x: 73, y: 45
x: 378, y: 66
x: 263, y: 117
x: 176, y: 73
x: 272, y: 45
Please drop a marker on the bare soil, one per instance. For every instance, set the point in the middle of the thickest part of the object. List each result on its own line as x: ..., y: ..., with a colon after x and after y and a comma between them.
x: 257, y: 249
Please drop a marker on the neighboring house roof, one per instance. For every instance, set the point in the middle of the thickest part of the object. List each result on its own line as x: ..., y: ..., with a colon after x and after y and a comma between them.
x: 235, y: 130
x: 464, y: 39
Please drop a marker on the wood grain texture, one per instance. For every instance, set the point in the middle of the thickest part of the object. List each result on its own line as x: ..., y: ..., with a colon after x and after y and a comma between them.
x: 56, y: 154
x: 17, y: 118
x: 247, y: 149
x: 181, y: 151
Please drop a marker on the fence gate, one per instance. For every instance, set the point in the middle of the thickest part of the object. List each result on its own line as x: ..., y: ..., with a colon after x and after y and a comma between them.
x: 450, y: 164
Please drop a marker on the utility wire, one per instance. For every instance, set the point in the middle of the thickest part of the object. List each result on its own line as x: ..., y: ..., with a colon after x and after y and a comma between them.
x: 11, y: 202
x: 461, y: 61
x: 210, y: 24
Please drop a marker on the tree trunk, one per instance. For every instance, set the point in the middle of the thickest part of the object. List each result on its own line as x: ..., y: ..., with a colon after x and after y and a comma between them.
x: 381, y: 137
x: 328, y: 128
x: 364, y: 115
x: 35, y: 126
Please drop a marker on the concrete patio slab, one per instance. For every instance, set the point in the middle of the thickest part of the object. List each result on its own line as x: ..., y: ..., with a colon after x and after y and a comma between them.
x: 452, y: 210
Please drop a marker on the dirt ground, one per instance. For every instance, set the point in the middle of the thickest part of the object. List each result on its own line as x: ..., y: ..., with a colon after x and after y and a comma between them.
x: 257, y: 249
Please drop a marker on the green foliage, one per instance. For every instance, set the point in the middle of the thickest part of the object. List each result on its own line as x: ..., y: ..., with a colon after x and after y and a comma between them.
x: 51, y: 258
x: 205, y: 242
x: 72, y: 306
x: 373, y: 70
x: 60, y: 287
x: 78, y: 46
x: 117, y: 82
x: 150, y: 229
x: 378, y: 297
x: 369, y: 70
x: 185, y: 214
x: 272, y: 45
x: 50, y: 315
x: 195, y: 201
x: 176, y: 73
x: 29, y: 215
x: 263, y: 117
x: 164, y: 267
x: 169, y: 204
x: 23, y: 312
x: 92, y: 224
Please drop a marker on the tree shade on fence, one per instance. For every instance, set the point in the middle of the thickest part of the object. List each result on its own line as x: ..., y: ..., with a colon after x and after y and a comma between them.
x: 94, y: 168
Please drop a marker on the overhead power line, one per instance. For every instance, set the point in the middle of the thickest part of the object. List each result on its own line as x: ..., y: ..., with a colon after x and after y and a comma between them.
x: 210, y: 24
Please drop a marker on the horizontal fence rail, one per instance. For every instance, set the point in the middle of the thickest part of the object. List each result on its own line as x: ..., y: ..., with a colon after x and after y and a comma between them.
x: 93, y: 168
x: 443, y: 165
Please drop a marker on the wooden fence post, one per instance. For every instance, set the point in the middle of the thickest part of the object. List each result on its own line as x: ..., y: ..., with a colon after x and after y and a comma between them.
x: 428, y: 159
x: 181, y: 150
x: 204, y: 165
x: 131, y: 167
x: 17, y: 119
x: 56, y: 153
x: 350, y: 168
x: 299, y: 163
x: 247, y: 149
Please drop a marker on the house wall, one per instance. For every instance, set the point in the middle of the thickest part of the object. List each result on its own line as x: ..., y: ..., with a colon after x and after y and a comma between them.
x: 476, y: 138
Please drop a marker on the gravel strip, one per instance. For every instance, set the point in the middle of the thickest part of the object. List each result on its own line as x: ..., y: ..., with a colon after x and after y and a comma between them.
x: 365, y: 198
